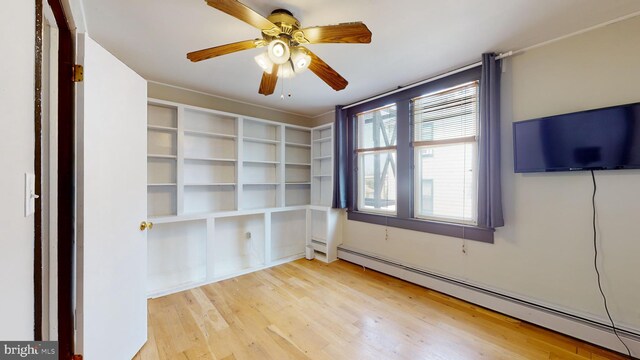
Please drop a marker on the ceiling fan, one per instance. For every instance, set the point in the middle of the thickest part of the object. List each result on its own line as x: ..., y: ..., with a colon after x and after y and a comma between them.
x: 284, y: 39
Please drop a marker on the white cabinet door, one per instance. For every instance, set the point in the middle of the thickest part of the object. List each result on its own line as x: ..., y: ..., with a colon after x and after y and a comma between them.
x: 111, y: 254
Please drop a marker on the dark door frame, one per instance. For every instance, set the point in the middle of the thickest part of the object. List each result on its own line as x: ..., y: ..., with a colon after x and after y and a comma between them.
x: 66, y: 183
x: 37, y: 166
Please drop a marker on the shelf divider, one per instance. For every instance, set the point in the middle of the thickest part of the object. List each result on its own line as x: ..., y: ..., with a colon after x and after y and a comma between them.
x: 239, y: 156
x: 180, y: 162
x: 280, y: 200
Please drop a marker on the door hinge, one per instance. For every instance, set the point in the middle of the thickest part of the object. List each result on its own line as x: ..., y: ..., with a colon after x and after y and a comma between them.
x: 78, y: 73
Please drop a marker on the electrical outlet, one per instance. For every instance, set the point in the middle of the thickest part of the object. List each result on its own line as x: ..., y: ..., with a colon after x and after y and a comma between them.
x: 248, y: 235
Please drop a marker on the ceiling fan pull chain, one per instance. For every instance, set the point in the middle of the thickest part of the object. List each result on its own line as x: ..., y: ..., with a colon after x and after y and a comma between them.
x: 281, y: 83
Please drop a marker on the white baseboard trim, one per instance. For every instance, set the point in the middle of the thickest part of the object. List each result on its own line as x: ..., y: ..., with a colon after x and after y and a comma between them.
x: 562, y: 322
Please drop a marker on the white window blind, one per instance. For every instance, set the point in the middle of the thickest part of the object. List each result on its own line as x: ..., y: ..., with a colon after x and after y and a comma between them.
x: 445, y: 150
x: 448, y: 115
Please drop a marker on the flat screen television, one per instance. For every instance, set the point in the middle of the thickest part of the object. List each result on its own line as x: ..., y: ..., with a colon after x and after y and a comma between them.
x: 601, y: 139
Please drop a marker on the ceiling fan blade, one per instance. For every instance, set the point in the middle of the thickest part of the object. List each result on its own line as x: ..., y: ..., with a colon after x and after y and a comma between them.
x: 268, y: 83
x: 244, y: 13
x: 209, y: 53
x: 355, y: 32
x: 326, y: 73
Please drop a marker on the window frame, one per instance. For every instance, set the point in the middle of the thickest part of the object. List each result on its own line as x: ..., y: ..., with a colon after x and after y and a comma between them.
x: 405, y: 172
x: 419, y: 145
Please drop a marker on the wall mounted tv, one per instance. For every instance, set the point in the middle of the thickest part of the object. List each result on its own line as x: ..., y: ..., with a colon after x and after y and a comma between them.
x: 601, y: 139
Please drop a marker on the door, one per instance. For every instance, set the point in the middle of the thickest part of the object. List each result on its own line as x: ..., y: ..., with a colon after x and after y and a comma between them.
x: 111, y: 256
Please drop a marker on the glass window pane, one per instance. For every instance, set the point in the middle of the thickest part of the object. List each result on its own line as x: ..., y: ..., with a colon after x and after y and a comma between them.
x: 446, y: 182
x: 426, y: 196
x: 377, y: 128
x: 377, y: 181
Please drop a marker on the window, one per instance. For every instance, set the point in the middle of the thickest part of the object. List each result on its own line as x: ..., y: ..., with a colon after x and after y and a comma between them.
x: 376, y: 149
x: 445, y: 154
x: 414, y: 158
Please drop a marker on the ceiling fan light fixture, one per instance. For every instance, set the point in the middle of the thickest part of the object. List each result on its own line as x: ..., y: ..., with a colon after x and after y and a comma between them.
x: 300, y: 60
x: 286, y: 70
x: 264, y: 62
x: 278, y: 51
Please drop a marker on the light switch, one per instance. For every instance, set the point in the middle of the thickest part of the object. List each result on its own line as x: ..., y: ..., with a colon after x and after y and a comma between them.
x: 30, y: 195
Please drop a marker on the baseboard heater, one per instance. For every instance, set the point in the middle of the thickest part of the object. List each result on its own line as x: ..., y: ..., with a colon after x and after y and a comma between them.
x: 579, y: 327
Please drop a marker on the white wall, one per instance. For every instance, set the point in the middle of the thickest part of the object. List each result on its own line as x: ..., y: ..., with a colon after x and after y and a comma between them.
x: 545, y: 251
x: 194, y: 98
x: 16, y: 157
x: 325, y: 118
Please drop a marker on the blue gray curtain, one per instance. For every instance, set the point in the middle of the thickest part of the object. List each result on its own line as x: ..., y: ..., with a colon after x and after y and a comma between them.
x: 340, y: 159
x: 489, y: 189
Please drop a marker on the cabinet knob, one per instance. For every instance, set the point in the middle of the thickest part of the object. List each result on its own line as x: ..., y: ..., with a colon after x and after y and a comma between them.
x: 146, y: 225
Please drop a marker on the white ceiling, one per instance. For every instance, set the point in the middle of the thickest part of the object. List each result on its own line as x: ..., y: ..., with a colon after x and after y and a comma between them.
x: 412, y: 40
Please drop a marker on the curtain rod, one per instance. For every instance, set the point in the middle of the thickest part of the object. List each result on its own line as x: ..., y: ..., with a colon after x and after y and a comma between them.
x: 434, y: 78
x: 501, y: 56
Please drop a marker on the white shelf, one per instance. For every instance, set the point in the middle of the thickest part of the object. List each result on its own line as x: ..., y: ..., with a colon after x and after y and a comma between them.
x: 324, y: 139
x: 209, y: 159
x: 298, y: 145
x: 322, y: 175
x: 162, y: 116
x: 162, y: 184
x: 321, y: 257
x: 261, y: 162
x: 165, y: 219
x: 210, y: 134
x: 319, y: 246
x: 298, y: 183
x: 261, y: 184
x: 260, y: 140
x: 210, y: 184
x: 160, y: 156
x: 297, y: 164
x: 325, y: 157
x: 161, y: 128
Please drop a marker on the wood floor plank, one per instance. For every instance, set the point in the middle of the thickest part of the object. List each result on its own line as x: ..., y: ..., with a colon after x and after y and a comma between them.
x: 311, y: 310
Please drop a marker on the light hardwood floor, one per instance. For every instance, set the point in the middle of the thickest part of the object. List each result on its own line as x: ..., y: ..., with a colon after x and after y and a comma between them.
x: 311, y: 310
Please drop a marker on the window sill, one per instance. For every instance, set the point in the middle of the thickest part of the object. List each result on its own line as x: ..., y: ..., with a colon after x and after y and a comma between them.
x: 468, y: 232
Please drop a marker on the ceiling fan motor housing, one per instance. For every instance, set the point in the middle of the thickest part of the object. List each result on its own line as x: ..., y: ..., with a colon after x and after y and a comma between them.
x: 287, y: 23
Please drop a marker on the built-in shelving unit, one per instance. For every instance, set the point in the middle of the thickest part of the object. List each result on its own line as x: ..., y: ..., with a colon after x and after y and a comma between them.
x: 324, y: 235
x: 162, y: 144
x: 229, y: 194
x: 297, y: 168
x: 322, y: 165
